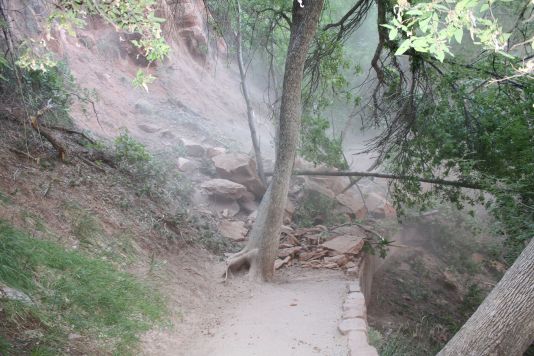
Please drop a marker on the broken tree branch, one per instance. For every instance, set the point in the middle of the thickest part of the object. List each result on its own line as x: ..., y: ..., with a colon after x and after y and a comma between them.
x: 46, y: 133
x: 459, y: 184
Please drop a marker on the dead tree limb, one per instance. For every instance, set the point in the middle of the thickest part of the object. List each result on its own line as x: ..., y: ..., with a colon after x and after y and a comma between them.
x: 46, y: 133
x: 459, y: 184
x: 70, y: 131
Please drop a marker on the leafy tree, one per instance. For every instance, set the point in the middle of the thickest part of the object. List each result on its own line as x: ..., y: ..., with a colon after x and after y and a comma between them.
x: 262, y: 248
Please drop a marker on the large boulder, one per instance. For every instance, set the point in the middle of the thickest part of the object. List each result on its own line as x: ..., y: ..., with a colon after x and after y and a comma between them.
x: 345, y: 244
x: 233, y: 230
x: 239, y: 168
x: 224, y: 188
x: 317, y: 187
x: 186, y: 165
x: 353, y: 204
x: 248, y: 202
x: 193, y: 148
x: 222, y: 207
x: 336, y: 185
x: 215, y: 151
x: 379, y: 207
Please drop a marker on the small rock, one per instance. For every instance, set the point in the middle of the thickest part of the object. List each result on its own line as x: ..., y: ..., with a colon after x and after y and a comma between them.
x: 14, y: 294
x: 290, y: 251
x: 253, y: 215
x: 339, y: 260
x: 278, y: 263
x: 286, y: 229
x: 193, y: 148
x: 223, y: 207
x: 74, y: 336
x: 350, y: 265
x: 167, y: 135
x: 313, y: 255
x: 353, y: 271
x: 291, y: 240
x: 144, y: 107
x: 148, y: 128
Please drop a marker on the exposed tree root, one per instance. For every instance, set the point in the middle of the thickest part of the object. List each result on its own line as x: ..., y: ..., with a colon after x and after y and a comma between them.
x: 238, y: 261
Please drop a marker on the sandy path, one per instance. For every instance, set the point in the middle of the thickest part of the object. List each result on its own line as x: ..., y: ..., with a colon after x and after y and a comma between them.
x: 296, y: 316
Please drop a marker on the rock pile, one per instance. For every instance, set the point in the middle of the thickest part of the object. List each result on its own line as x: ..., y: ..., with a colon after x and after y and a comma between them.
x: 320, y: 247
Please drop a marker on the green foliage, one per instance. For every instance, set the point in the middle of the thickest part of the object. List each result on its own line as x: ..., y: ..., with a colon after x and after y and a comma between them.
x: 476, y: 133
x: 399, y: 342
x: 265, y: 33
x: 317, y: 146
x: 429, y: 27
x: 132, y: 16
x: 33, y: 84
x: 316, y: 208
x: 151, y: 176
x: 4, y: 199
x: 472, y: 299
x: 142, y: 79
x: 72, y: 293
x: 129, y: 150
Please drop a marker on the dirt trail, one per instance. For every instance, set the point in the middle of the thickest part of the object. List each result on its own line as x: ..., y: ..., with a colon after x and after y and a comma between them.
x: 296, y: 315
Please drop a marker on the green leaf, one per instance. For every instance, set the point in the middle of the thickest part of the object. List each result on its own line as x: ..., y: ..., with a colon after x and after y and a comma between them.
x: 388, y: 26
x: 405, y: 45
x: 393, y: 34
x: 458, y: 35
x: 423, y: 24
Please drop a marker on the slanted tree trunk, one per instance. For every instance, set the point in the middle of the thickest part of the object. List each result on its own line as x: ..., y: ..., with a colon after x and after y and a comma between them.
x: 503, y: 325
x: 262, y: 248
x: 250, y: 109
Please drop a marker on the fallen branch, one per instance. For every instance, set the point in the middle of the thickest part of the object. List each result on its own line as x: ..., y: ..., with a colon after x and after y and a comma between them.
x: 459, y: 184
x: 70, y: 131
x: 25, y: 154
x: 34, y: 120
x: 92, y: 164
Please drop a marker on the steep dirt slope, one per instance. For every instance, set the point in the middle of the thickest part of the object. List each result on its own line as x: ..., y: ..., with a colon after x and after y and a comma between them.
x: 430, y: 284
x: 187, y: 100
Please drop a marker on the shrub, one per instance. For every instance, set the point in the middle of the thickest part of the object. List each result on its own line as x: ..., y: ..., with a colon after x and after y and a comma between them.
x: 316, y: 208
x: 71, y: 293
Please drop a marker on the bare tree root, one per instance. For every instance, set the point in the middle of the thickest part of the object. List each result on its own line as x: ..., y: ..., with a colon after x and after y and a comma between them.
x: 237, y: 261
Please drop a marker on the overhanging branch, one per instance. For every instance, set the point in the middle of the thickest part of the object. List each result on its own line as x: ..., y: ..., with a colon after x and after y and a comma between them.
x: 459, y: 184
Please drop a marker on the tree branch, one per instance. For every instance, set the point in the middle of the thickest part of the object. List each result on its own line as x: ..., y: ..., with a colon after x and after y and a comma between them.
x: 459, y: 184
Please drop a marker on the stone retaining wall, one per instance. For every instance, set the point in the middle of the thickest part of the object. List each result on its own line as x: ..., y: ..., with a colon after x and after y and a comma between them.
x: 353, y: 322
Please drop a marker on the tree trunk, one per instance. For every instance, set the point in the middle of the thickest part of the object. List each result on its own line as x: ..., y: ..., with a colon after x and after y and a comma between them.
x: 262, y: 248
x: 503, y: 325
x: 250, y: 109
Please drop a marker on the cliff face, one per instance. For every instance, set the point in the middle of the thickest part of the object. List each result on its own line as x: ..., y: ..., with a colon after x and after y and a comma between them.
x: 196, y: 93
